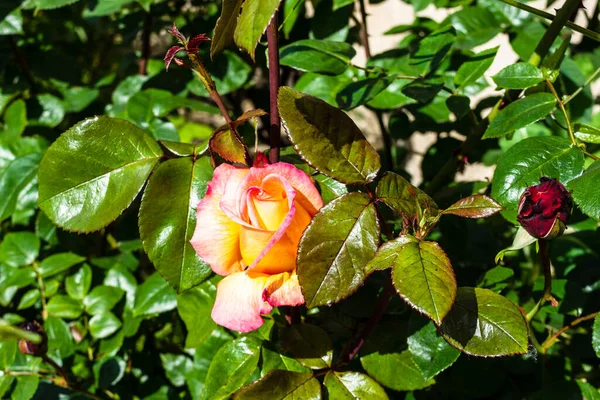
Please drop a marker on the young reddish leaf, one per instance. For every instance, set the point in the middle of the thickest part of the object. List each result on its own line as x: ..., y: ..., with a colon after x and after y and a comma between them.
x: 228, y: 145
x: 476, y: 206
x: 175, y: 32
x: 171, y: 55
x: 195, y: 42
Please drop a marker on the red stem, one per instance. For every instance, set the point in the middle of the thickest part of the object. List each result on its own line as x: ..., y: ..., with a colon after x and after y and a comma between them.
x: 274, y: 122
x: 143, y: 61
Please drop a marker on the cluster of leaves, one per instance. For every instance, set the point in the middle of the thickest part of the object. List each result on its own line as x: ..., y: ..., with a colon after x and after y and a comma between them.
x: 126, y: 307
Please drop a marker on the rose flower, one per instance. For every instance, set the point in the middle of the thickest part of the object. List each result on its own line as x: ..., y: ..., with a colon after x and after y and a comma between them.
x: 248, y: 228
x: 545, y: 208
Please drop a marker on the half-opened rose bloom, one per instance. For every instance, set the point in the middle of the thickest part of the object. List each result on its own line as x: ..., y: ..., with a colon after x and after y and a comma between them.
x: 545, y: 208
x: 248, y: 228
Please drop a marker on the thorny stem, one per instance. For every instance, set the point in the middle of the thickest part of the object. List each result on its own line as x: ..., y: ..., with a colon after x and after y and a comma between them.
x: 209, y: 84
x: 580, y: 89
x: 147, y: 30
x: 450, y: 168
x: 274, y: 122
x: 546, y: 295
x: 550, y: 341
x: 586, y: 32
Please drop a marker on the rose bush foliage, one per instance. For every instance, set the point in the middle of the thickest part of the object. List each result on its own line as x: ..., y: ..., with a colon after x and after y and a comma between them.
x: 207, y: 232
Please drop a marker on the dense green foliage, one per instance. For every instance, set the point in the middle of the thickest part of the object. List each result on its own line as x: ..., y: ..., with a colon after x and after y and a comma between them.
x: 411, y: 293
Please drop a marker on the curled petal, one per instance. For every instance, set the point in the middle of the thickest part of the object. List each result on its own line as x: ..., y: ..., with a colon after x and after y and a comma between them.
x: 306, y: 192
x: 217, y: 238
x: 170, y: 55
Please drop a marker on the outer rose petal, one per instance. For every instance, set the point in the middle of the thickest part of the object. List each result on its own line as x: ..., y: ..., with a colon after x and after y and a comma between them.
x: 240, y: 303
x: 242, y: 298
x: 216, y: 238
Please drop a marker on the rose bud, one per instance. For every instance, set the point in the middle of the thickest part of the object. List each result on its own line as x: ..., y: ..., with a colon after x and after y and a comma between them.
x: 545, y: 208
x: 31, y: 348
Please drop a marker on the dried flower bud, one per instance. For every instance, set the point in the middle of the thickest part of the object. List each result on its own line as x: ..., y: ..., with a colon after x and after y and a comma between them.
x: 545, y: 208
x: 30, y: 348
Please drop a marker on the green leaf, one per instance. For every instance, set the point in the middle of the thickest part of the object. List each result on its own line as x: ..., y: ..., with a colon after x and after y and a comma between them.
x: 282, y: 385
x: 226, y: 24
x: 233, y: 364
x: 52, y: 111
x: 596, y: 335
x: 423, y: 90
x: 168, y: 217
x: 203, y: 356
x: 309, y: 344
x: 58, y: 263
x: 518, y: 76
x: 104, y: 324
x: 62, y: 306
x: 483, y: 323
x: 106, y: 7
x: 19, y: 249
x: 424, y: 278
x: 587, y: 133
x: 433, y: 49
x: 229, y: 71
x: 29, y: 299
x: 292, y: 9
x: 459, y: 105
x: 121, y: 278
x: 397, y: 371
x: 17, y: 175
x: 474, y: 67
x: 252, y: 23
x: 475, y: 26
x: 12, y: 24
x: 194, y: 307
x: 429, y: 350
x: 522, y: 239
x: 586, y: 190
x: 497, y: 278
x: 8, y: 351
x: 15, y: 120
x: 52, y: 4
x: 353, y: 385
x: 319, y: 56
x: 26, y: 387
x: 330, y: 188
x: 524, y: 163
x: 78, y: 284
x: 273, y: 360
x: 476, y: 206
x: 102, y: 298
x: 404, y: 198
x: 386, y: 254
x: 327, y: 138
x: 60, y: 340
x: 108, y: 161
x: 520, y: 114
x: 154, y: 296
x: 360, y: 92
x: 335, y: 247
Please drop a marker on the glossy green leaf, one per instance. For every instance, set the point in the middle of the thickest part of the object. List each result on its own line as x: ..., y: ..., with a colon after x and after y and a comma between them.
x: 78, y: 284
x: 252, y: 23
x: 360, y: 92
x: 282, y: 385
x: 497, y: 278
x: 433, y: 49
x: 62, y: 306
x: 483, y: 323
x: 29, y: 299
x: 429, y: 350
x: 319, y: 56
x: 475, y: 206
x: 168, y: 217
x: 58, y: 263
x: 203, y: 356
x: 596, y: 335
x: 587, y: 133
x: 52, y: 111
x: 15, y: 120
x: 335, y: 247
x: 104, y: 324
x: 26, y: 387
x: 524, y: 163
x: 108, y: 161
x: 19, y: 173
x: 8, y: 350
x: 154, y: 296
x: 353, y: 385
x: 327, y: 138
x: 520, y: 114
x: 19, y: 249
x: 60, y: 340
x: 52, y: 4
x: 404, y: 198
x: 518, y: 76
x: 396, y: 371
x: 223, y: 36
x: 309, y: 344
x: 586, y: 190
x: 194, y: 307
x: 474, y: 67
x: 119, y: 277
x: 233, y: 364
x: 274, y: 360
x: 102, y: 298
x: 386, y: 255
x: 423, y: 276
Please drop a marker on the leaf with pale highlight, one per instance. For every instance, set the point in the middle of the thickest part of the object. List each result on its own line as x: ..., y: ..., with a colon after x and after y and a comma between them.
x: 476, y: 206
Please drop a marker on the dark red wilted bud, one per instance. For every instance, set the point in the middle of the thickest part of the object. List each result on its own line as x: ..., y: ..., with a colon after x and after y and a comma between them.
x: 30, y: 348
x: 545, y: 208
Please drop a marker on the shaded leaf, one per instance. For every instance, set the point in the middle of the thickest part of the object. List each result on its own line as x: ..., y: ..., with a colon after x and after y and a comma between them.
x: 194, y: 307
x: 319, y: 56
x: 474, y: 67
x: 17, y: 175
x: 396, y: 371
x: 280, y: 385
x: 596, y: 335
x: 335, y: 248
x: 309, y: 344
x: 360, y: 92
x: 104, y: 324
x: 433, y: 49
x: 404, y: 198
x: 586, y: 190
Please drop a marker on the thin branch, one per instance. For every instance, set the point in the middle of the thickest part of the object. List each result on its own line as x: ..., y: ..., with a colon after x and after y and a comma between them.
x: 147, y: 30
x: 564, y: 111
x: 580, y: 89
x: 546, y: 295
x: 364, y: 32
x: 274, y: 122
x: 550, y: 341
